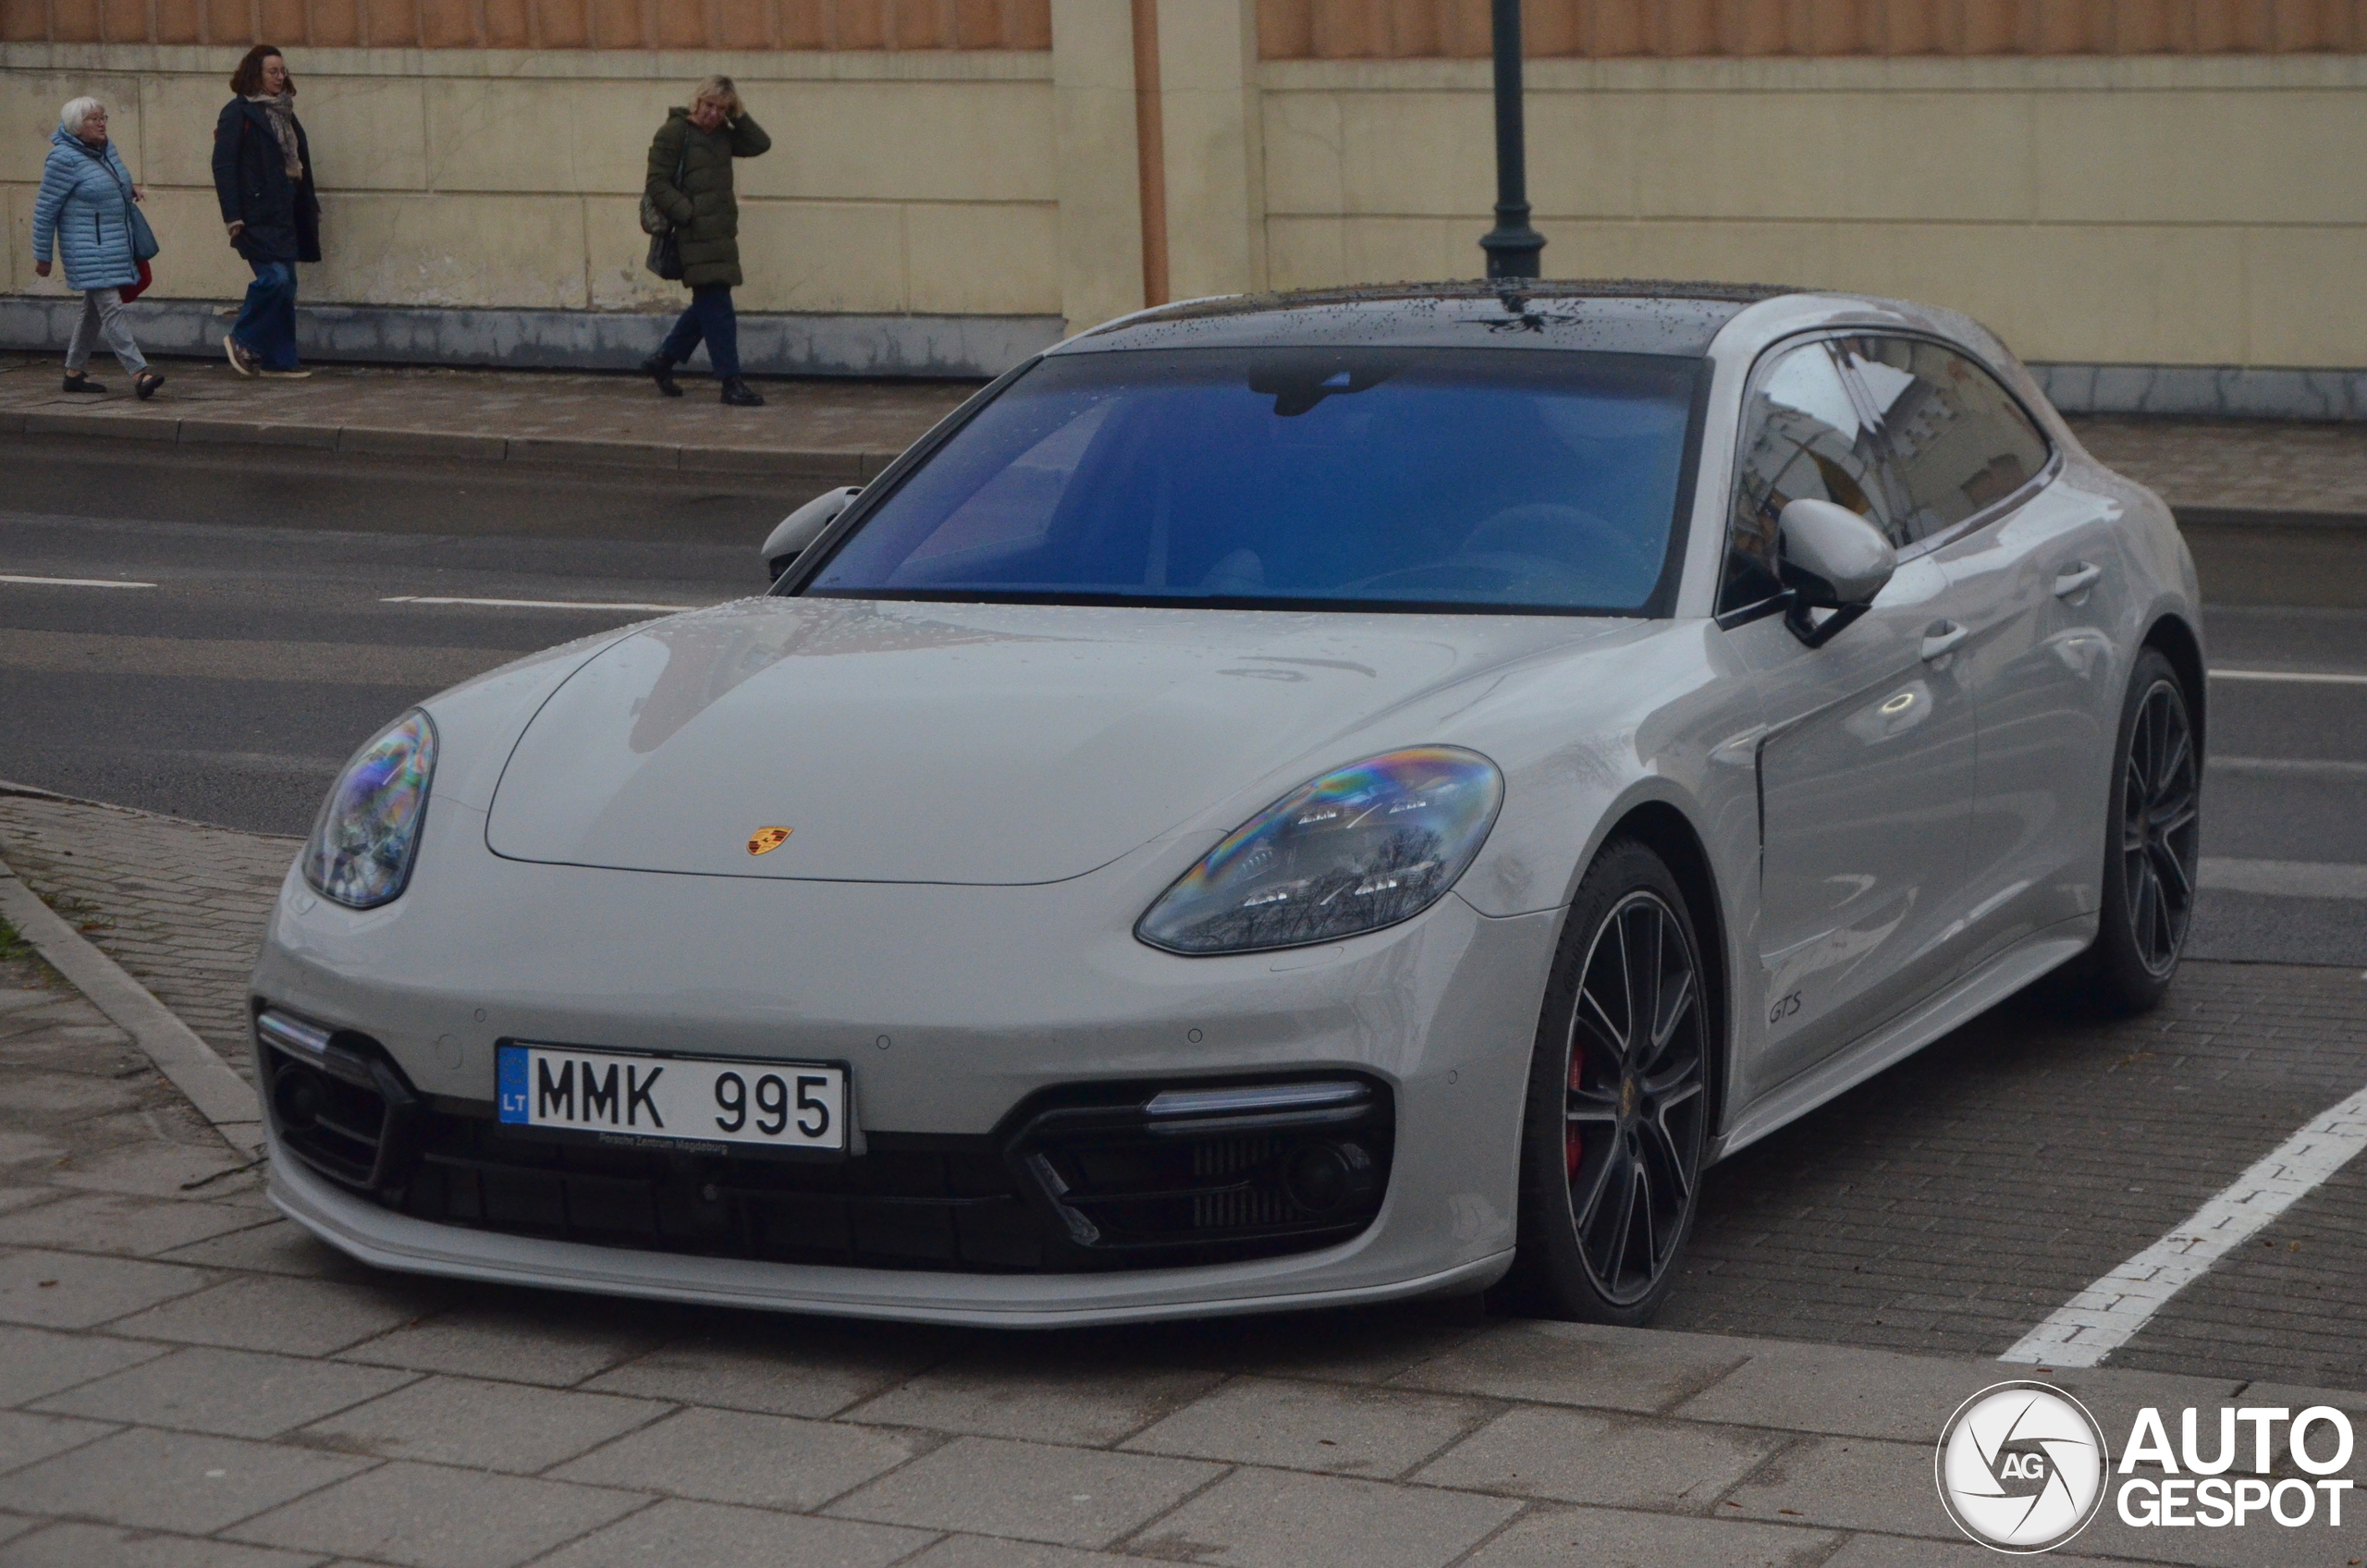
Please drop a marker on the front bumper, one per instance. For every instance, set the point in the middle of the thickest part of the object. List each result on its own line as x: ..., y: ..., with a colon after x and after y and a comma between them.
x: 952, y: 1007
x: 387, y: 1239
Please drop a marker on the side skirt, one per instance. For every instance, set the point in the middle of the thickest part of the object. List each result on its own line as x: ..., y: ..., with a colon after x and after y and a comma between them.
x: 1908, y: 1033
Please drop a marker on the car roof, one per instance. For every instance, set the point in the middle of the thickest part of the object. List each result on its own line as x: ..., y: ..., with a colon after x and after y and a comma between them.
x: 1631, y: 317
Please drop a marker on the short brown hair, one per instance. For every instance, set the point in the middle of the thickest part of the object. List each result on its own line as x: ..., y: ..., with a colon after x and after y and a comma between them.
x: 247, y: 80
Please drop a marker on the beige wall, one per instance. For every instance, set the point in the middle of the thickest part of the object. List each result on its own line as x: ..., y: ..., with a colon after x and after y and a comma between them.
x: 2162, y: 211
x: 898, y: 183
x: 2168, y: 211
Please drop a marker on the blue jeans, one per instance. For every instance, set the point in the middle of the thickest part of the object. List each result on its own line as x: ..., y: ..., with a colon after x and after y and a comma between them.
x: 266, y: 326
x: 709, y: 317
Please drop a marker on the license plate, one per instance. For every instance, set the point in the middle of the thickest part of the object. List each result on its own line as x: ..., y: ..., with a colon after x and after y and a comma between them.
x: 618, y: 1097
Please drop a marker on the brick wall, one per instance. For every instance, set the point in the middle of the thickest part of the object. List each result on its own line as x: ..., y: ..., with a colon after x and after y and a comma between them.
x: 539, y: 24
x: 1349, y: 29
x: 1288, y: 30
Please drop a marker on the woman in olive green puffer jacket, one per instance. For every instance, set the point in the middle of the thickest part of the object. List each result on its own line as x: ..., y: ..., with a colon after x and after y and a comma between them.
x: 689, y: 180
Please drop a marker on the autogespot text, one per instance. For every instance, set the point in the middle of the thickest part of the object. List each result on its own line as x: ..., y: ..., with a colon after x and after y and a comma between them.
x: 2195, y: 1489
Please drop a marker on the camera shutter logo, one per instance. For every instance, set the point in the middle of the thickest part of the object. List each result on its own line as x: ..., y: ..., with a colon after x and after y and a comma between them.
x: 2021, y: 1467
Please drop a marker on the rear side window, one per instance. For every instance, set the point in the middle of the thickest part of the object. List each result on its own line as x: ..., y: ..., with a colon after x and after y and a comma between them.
x: 1804, y: 433
x: 1959, y: 440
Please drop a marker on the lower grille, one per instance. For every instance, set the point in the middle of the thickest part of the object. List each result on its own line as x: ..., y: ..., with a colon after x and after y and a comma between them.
x: 892, y: 1208
x: 1077, y: 1180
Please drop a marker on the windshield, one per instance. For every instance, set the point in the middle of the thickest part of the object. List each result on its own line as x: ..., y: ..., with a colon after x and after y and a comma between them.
x: 1443, y: 479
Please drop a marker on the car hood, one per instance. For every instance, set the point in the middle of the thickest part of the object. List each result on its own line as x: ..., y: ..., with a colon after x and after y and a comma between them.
x: 956, y: 744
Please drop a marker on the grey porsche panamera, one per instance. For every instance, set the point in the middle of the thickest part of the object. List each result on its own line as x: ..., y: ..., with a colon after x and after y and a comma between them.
x: 1279, y: 801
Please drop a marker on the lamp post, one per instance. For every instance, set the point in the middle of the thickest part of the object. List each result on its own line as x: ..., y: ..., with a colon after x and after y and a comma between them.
x: 1512, y: 245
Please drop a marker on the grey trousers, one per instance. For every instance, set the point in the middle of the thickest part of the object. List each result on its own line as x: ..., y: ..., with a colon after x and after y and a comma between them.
x: 103, y: 322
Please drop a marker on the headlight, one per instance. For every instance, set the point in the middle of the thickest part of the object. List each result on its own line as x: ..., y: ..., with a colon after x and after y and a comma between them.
x: 361, y: 847
x: 1362, y: 847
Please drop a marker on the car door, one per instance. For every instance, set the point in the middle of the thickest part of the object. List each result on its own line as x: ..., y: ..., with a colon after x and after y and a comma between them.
x: 1866, y: 758
x: 2040, y: 579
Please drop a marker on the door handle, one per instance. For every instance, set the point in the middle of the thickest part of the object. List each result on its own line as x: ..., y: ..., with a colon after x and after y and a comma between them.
x: 1941, y: 639
x: 2076, y: 579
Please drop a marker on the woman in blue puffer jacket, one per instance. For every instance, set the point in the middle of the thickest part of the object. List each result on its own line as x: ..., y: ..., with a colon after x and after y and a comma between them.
x: 85, y: 206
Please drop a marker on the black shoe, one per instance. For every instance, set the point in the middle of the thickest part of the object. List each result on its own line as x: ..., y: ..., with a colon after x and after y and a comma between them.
x: 660, y: 369
x: 145, y: 383
x: 78, y: 382
x: 740, y: 395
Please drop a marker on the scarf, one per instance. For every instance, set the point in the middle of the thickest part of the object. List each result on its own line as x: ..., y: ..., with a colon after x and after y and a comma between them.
x: 281, y: 113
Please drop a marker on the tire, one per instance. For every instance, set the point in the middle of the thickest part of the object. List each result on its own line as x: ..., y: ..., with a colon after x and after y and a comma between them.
x: 2152, y: 838
x: 1612, y: 1144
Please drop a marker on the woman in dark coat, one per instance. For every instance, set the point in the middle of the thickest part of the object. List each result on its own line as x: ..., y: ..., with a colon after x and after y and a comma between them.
x: 263, y: 174
x: 689, y: 178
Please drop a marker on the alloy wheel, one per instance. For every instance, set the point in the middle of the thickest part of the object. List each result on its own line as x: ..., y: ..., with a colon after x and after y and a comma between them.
x: 1634, y: 1116
x: 2160, y: 819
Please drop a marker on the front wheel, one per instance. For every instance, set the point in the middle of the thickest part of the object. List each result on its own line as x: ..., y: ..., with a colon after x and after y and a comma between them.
x: 1618, y: 1112
x: 2152, y: 843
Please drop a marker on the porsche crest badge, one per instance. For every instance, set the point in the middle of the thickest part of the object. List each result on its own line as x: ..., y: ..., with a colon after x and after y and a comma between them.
x: 768, y: 839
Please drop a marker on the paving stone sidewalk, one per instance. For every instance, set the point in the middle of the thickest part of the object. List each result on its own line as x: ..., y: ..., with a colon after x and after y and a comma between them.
x: 187, y: 1379
x: 849, y: 429
x: 837, y: 429
x: 2206, y: 466
x: 179, y: 905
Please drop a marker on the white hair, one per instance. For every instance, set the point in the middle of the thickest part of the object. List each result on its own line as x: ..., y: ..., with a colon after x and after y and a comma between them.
x: 76, y: 113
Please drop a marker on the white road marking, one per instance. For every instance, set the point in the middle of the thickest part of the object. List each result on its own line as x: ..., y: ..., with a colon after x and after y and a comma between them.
x: 2102, y: 1318
x: 2307, y: 677
x: 75, y: 581
x: 2299, y: 767
x: 2284, y: 878
x: 533, y: 604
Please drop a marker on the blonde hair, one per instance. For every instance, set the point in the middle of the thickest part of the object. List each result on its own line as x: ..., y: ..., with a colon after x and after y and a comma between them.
x: 720, y: 90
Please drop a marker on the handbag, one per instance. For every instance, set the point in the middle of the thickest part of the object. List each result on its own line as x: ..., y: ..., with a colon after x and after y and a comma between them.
x: 144, y: 239
x: 143, y: 246
x: 665, y: 256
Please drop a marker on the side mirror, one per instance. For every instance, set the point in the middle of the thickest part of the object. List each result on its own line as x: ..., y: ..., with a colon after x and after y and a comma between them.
x: 804, y: 525
x: 1832, y: 560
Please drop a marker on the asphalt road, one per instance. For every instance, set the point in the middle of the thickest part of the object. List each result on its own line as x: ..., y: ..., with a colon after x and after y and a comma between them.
x: 271, y: 646
x: 1948, y: 1205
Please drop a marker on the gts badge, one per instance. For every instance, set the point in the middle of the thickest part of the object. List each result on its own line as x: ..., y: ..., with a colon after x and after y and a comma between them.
x: 1784, y: 1010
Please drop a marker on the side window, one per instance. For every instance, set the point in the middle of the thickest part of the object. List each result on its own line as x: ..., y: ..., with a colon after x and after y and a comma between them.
x: 1803, y: 434
x: 1958, y: 439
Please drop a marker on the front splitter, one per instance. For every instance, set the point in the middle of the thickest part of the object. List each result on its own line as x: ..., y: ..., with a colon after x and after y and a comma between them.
x: 385, y: 1240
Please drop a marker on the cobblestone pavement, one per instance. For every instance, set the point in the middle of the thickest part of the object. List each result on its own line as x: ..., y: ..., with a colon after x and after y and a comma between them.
x: 187, y: 1379
x: 1949, y: 1205
x: 1957, y: 1199
x: 179, y: 905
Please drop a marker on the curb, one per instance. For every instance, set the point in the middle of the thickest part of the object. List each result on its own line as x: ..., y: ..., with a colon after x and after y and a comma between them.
x: 212, y: 1086
x: 361, y: 440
